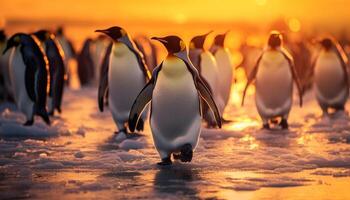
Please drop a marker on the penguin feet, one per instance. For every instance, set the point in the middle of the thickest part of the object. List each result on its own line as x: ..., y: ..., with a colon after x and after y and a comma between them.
x: 186, y: 153
x: 225, y: 121
x: 284, y: 124
x: 51, y: 113
x: 29, y: 122
x: 165, y: 161
x: 140, y: 125
x: 266, y: 126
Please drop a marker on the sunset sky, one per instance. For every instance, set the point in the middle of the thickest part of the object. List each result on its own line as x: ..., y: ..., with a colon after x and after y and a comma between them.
x: 179, y: 11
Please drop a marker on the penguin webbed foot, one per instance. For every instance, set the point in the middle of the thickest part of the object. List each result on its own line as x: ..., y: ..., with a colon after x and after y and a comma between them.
x: 284, y: 124
x: 29, y: 122
x: 165, y: 162
x: 266, y: 126
x: 225, y: 121
x: 186, y: 153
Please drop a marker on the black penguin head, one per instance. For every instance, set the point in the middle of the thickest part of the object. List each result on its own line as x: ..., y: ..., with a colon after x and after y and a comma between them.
x: 60, y: 31
x: 197, y: 42
x: 14, y: 41
x: 275, y: 39
x: 172, y: 43
x: 326, y: 43
x: 114, y: 32
x: 2, y: 36
x: 219, y: 40
x: 42, y: 35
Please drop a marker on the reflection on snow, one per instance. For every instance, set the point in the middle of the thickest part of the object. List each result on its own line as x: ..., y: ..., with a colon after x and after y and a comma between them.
x: 79, y: 155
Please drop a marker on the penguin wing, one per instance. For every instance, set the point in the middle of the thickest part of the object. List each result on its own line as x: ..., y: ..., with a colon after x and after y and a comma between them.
x: 144, y: 97
x: 343, y: 60
x: 294, y: 74
x: 207, y: 97
x: 103, y: 84
x: 30, y: 71
x: 251, y: 77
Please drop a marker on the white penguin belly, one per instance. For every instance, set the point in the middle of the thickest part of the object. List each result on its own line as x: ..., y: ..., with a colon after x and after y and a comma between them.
x: 330, y: 85
x: 175, y: 116
x: 224, y: 63
x: 17, y: 74
x: 274, y: 85
x: 125, y: 81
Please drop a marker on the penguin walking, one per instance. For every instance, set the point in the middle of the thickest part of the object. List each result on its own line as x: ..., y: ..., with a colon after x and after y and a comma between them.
x: 175, y: 91
x: 331, y: 79
x: 274, y: 73
x: 123, y: 75
x: 206, y: 65
x: 54, y: 55
x: 28, y: 76
x: 224, y: 62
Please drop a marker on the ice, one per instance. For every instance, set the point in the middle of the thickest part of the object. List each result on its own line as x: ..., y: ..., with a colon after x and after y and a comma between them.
x: 82, y: 154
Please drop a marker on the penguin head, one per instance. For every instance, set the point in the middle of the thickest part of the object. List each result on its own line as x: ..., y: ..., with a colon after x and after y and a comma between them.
x: 197, y: 42
x: 14, y: 41
x: 275, y: 39
x: 172, y: 43
x: 326, y: 43
x: 114, y: 32
x: 42, y: 35
x: 219, y: 40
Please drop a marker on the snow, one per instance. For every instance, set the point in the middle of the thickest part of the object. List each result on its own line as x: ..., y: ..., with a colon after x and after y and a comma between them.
x: 81, y: 154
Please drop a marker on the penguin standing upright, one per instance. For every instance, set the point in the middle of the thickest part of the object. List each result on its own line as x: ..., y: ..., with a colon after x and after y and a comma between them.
x: 4, y: 68
x: 86, y: 69
x: 56, y: 68
x: 175, y: 91
x: 68, y: 49
x: 28, y: 76
x: 331, y: 79
x: 123, y: 74
x: 225, y: 66
x: 207, y: 67
x: 274, y: 73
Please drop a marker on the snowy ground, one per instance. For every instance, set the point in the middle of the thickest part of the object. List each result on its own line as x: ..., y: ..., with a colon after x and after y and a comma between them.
x: 80, y: 157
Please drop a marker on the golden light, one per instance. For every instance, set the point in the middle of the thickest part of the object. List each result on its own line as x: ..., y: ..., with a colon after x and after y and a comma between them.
x: 294, y: 25
x: 260, y: 2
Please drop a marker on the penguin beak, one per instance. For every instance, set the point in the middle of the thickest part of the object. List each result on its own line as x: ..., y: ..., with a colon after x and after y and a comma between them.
x: 208, y: 33
x: 101, y: 31
x: 160, y: 40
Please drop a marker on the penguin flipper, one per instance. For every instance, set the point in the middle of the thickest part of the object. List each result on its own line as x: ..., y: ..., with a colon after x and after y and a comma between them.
x: 103, y: 84
x: 343, y: 60
x: 251, y: 77
x: 144, y: 97
x: 206, y: 96
x: 140, y: 103
x: 29, y: 81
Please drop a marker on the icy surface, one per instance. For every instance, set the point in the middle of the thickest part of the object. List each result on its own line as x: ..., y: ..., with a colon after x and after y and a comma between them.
x: 80, y: 156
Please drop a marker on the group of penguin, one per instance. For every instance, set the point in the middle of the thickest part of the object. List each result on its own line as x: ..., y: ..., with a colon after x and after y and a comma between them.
x: 190, y: 84
x: 33, y: 72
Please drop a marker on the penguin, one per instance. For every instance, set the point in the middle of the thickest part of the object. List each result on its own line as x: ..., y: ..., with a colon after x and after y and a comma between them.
x: 123, y: 74
x: 68, y: 49
x: 86, y: 69
x: 174, y: 90
x: 28, y: 76
x: 274, y: 73
x: 55, y: 57
x: 148, y: 50
x: 331, y: 79
x: 206, y: 65
x: 225, y: 66
x: 98, y: 50
x: 4, y: 69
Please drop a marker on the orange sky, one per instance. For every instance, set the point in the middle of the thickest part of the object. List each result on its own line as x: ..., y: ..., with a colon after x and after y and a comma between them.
x: 179, y: 11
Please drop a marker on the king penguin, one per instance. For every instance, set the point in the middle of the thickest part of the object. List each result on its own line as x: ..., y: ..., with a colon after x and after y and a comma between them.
x: 29, y: 76
x: 224, y: 61
x: 274, y: 73
x: 175, y: 91
x: 55, y: 57
x: 331, y: 79
x: 205, y: 63
x: 124, y: 74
